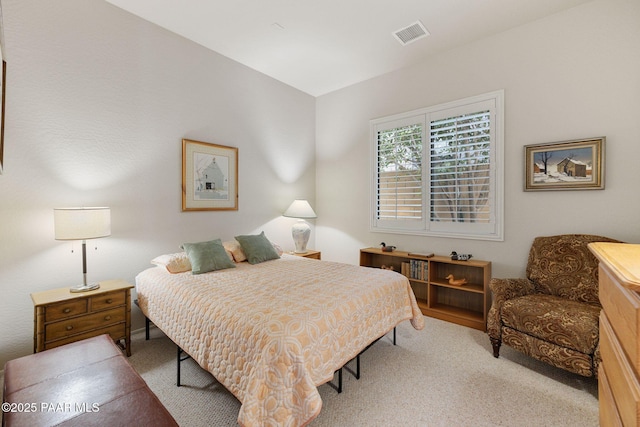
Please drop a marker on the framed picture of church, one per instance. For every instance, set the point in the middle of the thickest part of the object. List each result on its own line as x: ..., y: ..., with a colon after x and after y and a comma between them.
x: 566, y: 165
x: 209, y: 177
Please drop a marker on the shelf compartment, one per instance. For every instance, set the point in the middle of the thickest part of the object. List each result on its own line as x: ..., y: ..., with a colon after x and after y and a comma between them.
x: 455, y: 298
x: 422, y: 304
x: 474, y: 317
x: 467, y: 287
x: 421, y: 291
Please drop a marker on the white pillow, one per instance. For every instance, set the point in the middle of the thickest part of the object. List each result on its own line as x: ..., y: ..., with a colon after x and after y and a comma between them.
x: 174, y: 263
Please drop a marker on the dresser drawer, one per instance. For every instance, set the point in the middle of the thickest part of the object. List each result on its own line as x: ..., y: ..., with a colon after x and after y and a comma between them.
x: 117, y: 332
x: 609, y: 416
x: 620, y: 376
x: 65, y: 309
x: 623, y: 312
x: 84, y: 323
x: 111, y: 299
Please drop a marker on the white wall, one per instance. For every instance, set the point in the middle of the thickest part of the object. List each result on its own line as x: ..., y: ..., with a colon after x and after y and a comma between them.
x: 573, y: 75
x: 98, y: 102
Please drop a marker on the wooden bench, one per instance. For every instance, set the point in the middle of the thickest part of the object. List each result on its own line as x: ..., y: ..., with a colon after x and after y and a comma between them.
x: 88, y: 382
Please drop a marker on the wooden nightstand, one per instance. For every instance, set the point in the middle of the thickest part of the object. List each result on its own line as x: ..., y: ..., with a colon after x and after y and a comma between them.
x: 309, y: 254
x: 62, y: 317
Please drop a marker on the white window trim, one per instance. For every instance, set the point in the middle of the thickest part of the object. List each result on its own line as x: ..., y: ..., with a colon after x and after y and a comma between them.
x: 495, y: 230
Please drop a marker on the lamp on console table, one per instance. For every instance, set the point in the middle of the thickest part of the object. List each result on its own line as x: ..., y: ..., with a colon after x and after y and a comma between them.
x: 300, y: 231
x: 82, y: 224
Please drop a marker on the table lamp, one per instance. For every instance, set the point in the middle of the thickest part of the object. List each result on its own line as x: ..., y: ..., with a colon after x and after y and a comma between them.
x: 82, y: 224
x: 300, y: 231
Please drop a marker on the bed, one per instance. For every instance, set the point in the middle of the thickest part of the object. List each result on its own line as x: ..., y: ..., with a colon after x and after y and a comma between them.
x: 272, y: 332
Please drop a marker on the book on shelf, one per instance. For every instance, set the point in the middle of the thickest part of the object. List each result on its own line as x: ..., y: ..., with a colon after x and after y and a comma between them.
x: 415, y: 269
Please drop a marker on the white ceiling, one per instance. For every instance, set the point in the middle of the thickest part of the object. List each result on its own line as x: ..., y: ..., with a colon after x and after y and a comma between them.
x: 319, y: 46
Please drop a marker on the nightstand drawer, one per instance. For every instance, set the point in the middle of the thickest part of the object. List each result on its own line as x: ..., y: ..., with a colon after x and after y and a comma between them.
x: 117, y: 332
x: 80, y: 324
x: 112, y: 299
x: 65, y: 309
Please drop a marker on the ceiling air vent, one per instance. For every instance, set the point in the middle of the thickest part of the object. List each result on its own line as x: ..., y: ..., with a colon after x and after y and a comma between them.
x: 411, y: 33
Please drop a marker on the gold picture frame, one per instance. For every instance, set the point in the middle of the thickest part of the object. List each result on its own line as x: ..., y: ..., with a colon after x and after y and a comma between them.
x: 209, y: 177
x: 567, y: 165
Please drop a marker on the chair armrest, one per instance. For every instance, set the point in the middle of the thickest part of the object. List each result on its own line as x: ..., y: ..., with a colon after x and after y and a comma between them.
x: 506, y: 289
x: 503, y: 290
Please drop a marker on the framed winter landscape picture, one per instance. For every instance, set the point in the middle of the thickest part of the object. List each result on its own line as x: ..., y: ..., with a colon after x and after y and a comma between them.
x: 209, y: 176
x: 566, y: 165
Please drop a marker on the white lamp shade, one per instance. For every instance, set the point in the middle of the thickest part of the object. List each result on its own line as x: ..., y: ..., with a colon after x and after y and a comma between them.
x: 300, y: 209
x: 81, y: 223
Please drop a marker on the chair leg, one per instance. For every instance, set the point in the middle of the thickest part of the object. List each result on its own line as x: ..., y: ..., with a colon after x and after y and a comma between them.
x: 496, y: 343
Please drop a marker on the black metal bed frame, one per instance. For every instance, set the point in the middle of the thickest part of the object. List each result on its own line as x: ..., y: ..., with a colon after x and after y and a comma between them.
x: 180, y: 358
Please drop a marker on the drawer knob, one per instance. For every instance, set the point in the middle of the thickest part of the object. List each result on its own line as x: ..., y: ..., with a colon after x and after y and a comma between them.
x: 107, y: 317
x: 109, y: 300
x: 66, y: 310
x: 69, y: 328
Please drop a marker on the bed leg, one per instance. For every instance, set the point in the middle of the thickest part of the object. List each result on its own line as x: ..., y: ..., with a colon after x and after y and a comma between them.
x: 180, y: 359
x: 358, y: 366
x: 338, y: 387
x: 146, y: 322
x: 394, y: 336
x: 178, y: 371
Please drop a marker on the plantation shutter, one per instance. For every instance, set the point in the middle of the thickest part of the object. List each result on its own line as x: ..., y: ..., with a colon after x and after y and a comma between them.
x: 399, y: 178
x: 460, y: 168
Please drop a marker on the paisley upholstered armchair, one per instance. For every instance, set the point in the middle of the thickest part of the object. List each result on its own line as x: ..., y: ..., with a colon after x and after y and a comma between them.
x: 552, y: 315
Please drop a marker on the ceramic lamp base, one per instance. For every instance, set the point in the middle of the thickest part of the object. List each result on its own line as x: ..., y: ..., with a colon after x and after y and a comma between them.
x: 301, y: 232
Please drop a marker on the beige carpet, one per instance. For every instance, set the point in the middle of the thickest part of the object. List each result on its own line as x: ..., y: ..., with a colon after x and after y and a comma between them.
x: 444, y: 375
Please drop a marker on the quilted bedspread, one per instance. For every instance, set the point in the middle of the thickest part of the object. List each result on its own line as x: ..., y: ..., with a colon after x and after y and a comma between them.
x: 272, y: 332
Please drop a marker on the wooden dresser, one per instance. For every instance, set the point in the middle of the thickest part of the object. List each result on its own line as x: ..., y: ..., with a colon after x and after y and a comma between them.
x: 619, y: 372
x: 62, y: 317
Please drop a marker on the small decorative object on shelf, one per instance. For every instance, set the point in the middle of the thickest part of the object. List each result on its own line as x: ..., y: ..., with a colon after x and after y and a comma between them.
x: 456, y: 282
x: 386, y: 248
x: 460, y: 257
x: 384, y: 267
x: 425, y: 254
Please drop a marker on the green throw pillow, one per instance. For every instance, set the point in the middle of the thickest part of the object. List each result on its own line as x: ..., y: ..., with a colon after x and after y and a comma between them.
x: 257, y: 248
x: 207, y: 256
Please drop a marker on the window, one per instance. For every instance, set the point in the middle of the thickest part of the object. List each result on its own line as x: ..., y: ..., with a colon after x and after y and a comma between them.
x: 438, y: 170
